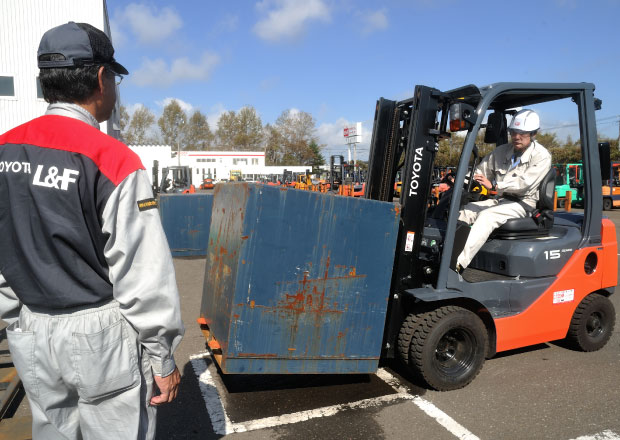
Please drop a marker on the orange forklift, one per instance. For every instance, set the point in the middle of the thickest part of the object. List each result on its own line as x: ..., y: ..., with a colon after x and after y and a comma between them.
x: 392, y: 291
x: 541, y: 278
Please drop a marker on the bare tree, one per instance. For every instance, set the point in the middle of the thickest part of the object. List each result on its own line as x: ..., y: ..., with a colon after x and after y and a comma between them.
x: 297, y: 129
x: 198, y: 135
x: 273, y: 145
x: 248, y: 130
x: 124, y: 119
x: 172, y: 125
x: 226, y: 130
x: 136, y: 131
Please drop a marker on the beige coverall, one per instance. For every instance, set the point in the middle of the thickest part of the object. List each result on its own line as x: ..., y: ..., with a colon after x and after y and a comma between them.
x: 521, y: 181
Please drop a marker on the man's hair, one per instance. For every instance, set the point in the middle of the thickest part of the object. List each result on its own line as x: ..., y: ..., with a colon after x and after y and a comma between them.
x: 67, y: 84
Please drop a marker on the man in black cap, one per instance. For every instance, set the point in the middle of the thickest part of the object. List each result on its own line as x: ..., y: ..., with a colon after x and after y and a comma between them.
x: 87, y: 284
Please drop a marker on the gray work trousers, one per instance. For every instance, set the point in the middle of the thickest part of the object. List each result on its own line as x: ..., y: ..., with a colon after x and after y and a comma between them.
x: 84, y: 372
x: 485, y: 217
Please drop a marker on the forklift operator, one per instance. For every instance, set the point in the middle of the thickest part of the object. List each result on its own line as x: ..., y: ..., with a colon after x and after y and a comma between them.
x: 515, y: 171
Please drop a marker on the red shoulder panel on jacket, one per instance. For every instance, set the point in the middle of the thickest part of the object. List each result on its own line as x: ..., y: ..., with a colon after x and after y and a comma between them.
x: 115, y: 160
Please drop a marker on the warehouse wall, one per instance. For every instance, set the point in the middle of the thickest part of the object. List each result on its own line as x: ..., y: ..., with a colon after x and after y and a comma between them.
x: 22, y: 23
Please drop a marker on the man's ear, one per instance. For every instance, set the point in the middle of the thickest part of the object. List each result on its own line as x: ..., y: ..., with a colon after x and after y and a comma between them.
x: 100, y: 78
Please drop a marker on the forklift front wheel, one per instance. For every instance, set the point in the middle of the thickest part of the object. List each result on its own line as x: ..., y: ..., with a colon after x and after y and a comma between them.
x: 448, y: 348
x: 607, y: 204
x: 592, y: 324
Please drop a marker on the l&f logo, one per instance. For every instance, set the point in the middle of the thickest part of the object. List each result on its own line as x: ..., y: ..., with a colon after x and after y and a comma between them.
x: 53, y: 180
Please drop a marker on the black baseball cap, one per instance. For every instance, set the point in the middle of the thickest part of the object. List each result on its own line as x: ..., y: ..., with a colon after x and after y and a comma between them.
x: 80, y: 44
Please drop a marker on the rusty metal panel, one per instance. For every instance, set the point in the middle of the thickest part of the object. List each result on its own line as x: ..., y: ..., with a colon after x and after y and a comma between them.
x: 186, y: 219
x: 298, y: 281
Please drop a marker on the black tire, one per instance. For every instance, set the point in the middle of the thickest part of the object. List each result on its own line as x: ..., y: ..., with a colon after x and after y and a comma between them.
x: 448, y: 348
x: 561, y: 203
x: 592, y: 324
x: 405, y: 334
x: 607, y: 204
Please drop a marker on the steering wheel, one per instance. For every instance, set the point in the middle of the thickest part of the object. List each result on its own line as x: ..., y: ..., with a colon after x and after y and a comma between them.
x: 474, y: 186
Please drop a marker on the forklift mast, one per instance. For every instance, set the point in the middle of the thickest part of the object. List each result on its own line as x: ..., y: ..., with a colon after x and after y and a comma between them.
x: 411, y: 129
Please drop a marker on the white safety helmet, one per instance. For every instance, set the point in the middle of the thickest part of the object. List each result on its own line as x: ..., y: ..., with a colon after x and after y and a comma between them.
x: 525, y: 121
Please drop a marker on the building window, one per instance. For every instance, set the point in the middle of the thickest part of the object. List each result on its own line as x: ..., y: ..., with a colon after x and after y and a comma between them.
x: 39, y: 89
x: 7, y: 88
x: 240, y: 161
x: 254, y: 161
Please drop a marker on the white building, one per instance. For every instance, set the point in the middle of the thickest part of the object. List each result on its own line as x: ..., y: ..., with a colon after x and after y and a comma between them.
x: 215, y: 164
x: 22, y: 24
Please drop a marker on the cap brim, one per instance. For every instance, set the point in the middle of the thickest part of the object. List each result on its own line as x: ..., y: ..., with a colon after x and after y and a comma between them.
x: 118, y: 68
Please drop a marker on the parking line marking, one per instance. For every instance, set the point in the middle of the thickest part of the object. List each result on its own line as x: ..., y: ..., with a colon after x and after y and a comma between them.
x: 219, y: 419
x: 223, y: 425
x: 605, y: 435
x: 430, y: 409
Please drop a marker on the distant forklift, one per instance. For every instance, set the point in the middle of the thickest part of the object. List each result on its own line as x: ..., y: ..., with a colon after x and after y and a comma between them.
x: 176, y: 179
x: 336, y: 172
x: 611, y: 188
x: 541, y: 278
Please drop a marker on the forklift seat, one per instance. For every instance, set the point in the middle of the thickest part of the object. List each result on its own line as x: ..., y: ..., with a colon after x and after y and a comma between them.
x: 538, y: 222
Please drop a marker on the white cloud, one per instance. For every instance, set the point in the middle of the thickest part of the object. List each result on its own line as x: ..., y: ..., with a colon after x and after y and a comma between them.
x: 373, y: 21
x: 288, y: 18
x: 148, y: 24
x: 131, y: 108
x: 159, y: 73
x: 331, y: 134
x: 185, y: 106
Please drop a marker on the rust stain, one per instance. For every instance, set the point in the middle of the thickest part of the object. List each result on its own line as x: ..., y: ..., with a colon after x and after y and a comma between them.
x: 245, y: 237
x: 236, y: 316
x: 242, y: 261
x: 252, y: 303
x: 292, y: 349
x: 223, y: 250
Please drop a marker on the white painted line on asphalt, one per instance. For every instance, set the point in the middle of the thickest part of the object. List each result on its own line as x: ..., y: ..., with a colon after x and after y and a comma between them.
x: 605, y: 435
x: 223, y: 425
x: 219, y: 419
x: 430, y: 409
x: 326, y: 411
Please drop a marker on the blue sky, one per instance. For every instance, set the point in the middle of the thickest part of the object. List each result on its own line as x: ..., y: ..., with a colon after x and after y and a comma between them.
x: 335, y: 58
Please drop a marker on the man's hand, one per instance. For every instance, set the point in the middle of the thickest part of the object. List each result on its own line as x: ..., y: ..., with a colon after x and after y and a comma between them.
x: 482, y: 180
x: 168, y: 387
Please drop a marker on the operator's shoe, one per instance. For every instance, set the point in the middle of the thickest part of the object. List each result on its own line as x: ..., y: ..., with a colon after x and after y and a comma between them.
x: 459, y: 269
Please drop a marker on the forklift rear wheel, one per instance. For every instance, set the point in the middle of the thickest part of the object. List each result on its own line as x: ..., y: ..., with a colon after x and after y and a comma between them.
x: 607, y: 204
x: 592, y: 324
x: 448, y: 348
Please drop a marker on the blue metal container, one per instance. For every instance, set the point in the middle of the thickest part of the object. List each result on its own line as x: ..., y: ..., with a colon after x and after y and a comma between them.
x: 186, y: 219
x: 297, y: 281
